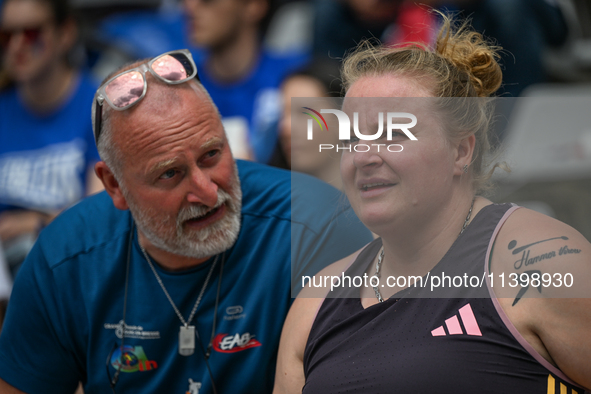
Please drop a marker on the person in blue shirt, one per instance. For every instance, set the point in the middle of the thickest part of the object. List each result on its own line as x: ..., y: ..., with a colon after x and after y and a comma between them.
x: 46, y: 144
x: 240, y: 74
x: 178, y: 278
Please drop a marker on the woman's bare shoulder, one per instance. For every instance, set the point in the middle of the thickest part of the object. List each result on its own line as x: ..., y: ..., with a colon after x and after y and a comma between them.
x: 299, y: 321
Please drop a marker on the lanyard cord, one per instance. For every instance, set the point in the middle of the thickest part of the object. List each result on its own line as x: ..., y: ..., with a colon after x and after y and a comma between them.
x: 207, y: 353
x: 115, y: 379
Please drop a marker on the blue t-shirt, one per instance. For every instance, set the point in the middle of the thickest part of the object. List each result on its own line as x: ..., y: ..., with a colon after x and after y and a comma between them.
x: 63, y: 320
x: 44, y: 158
x: 254, y: 102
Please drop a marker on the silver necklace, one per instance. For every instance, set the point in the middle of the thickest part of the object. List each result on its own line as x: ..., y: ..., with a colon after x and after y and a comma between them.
x: 378, y: 267
x: 186, y: 332
x: 381, y: 256
x: 467, y: 217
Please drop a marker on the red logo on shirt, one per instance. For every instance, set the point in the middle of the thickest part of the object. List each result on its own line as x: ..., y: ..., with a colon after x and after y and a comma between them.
x: 228, y: 343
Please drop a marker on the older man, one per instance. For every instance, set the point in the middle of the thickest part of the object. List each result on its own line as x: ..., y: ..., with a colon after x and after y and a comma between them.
x: 180, y: 281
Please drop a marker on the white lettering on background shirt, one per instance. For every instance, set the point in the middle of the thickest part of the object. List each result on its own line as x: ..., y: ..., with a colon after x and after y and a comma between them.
x: 46, y: 178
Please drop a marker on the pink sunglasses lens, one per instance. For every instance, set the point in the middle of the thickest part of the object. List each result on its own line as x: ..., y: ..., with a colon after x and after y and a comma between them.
x: 171, y: 68
x: 125, y: 89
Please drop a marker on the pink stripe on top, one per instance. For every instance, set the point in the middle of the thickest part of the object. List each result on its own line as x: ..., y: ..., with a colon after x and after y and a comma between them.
x: 469, y: 320
x: 453, y: 326
x: 438, y: 332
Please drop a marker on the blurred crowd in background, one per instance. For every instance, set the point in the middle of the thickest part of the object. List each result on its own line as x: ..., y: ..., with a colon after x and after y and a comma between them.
x: 253, y: 56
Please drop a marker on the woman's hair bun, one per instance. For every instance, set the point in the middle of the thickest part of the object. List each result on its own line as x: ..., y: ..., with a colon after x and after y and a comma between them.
x: 471, y: 54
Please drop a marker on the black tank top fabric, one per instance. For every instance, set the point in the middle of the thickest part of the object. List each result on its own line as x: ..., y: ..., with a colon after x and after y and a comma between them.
x: 408, y: 344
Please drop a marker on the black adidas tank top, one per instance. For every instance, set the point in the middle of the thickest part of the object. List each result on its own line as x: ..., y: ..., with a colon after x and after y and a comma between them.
x: 428, y: 345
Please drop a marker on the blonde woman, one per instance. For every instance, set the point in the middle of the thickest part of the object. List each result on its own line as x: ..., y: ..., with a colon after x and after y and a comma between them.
x: 423, y: 202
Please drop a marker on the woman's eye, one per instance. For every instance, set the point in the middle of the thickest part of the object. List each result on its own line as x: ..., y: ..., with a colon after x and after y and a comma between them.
x: 350, y: 141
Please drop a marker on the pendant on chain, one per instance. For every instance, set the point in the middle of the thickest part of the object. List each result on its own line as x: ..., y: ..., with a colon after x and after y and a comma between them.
x: 186, y: 340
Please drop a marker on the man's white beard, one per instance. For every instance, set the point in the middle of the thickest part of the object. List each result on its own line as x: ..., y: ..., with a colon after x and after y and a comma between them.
x: 211, y: 240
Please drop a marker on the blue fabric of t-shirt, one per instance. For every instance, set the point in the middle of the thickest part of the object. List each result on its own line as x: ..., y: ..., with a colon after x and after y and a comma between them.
x: 44, y: 158
x: 64, y: 315
x: 255, y: 98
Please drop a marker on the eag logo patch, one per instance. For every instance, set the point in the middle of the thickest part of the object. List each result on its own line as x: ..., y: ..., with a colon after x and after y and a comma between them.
x: 228, y: 343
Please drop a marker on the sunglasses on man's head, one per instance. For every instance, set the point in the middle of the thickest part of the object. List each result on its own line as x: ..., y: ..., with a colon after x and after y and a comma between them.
x: 126, y: 89
x: 30, y: 34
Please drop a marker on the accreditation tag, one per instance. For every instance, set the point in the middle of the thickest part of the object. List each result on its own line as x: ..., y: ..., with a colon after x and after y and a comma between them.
x: 187, y: 340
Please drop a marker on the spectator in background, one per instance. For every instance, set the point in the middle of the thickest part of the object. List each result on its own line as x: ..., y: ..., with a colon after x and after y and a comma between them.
x: 339, y: 25
x: 319, y: 79
x: 241, y: 76
x: 523, y: 28
x: 46, y: 145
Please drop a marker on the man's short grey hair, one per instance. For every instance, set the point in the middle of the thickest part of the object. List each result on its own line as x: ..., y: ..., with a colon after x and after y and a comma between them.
x: 107, y: 149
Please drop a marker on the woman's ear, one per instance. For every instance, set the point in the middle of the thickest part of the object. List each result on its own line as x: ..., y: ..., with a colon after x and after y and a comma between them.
x: 465, y: 150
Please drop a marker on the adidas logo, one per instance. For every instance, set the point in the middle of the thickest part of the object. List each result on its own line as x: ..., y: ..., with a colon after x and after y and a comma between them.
x: 453, y: 324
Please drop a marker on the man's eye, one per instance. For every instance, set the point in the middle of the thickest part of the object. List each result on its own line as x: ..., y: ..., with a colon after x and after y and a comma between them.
x: 210, y: 157
x: 212, y: 153
x: 168, y: 174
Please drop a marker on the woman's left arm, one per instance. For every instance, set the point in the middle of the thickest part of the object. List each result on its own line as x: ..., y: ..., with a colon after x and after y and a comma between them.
x: 550, y: 304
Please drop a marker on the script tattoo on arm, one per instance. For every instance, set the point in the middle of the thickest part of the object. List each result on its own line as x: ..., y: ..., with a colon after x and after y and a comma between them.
x: 526, y: 261
x: 525, y: 284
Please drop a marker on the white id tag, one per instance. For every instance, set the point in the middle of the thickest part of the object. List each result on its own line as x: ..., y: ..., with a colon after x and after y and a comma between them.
x: 187, y: 340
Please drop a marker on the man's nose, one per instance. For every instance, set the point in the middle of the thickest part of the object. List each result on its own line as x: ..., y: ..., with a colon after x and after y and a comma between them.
x: 202, y: 189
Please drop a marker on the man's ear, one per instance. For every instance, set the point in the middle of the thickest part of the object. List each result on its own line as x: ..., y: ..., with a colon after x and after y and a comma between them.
x: 104, y: 173
x: 465, y: 150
